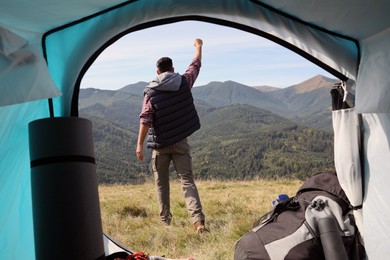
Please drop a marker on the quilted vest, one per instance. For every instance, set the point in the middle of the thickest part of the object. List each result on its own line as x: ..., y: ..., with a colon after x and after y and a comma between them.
x: 175, y: 116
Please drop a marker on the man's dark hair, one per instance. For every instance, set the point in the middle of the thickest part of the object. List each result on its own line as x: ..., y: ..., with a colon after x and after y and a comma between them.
x: 164, y: 64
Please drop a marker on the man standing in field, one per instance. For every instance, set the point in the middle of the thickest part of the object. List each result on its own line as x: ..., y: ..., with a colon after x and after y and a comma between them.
x: 168, y: 117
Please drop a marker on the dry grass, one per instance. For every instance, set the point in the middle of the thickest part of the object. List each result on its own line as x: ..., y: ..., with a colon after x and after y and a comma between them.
x: 130, y: 216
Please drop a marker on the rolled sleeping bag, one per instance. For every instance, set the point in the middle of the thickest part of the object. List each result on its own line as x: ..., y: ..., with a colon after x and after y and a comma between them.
x: 65, y: 199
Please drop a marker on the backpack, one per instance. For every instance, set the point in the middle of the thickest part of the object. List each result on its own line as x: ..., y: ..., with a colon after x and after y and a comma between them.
x: 317, y: 223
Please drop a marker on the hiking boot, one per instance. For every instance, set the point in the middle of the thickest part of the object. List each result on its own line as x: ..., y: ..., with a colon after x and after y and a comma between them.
x: 200, y: 227
x: 167, y: 220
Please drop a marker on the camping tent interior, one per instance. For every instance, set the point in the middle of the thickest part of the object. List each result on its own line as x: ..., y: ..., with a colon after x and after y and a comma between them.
x: 46, y: 47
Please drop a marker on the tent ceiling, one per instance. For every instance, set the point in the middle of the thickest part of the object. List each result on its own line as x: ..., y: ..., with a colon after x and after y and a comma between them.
x: 358, y: 19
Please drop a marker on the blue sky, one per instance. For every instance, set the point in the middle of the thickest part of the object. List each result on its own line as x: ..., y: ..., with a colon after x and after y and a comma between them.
x: 228, y: 54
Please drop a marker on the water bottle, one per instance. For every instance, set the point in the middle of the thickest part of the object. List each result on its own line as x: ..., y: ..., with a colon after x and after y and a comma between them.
x: 279, y: 198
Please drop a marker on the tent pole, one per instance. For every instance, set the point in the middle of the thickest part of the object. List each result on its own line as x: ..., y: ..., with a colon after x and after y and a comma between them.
x: 51, y: 108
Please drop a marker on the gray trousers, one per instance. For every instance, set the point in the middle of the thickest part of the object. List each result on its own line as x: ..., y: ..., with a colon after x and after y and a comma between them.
x: 179, y: 154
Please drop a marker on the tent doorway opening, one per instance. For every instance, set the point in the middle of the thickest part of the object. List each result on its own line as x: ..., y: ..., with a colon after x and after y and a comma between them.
x: 244, y: 91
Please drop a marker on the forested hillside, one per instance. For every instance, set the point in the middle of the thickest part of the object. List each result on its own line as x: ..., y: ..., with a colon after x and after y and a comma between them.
x: 244, y: 142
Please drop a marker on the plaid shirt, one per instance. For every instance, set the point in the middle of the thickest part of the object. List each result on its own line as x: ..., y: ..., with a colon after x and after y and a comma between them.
x: 192, y: 72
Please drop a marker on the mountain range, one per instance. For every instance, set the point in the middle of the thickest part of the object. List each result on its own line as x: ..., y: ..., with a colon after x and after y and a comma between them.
x: 246, y: 131
x: 307, y: 103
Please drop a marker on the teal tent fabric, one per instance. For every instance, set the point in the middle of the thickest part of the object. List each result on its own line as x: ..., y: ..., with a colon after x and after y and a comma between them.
x: 46, y: 46
x: 16, y: 236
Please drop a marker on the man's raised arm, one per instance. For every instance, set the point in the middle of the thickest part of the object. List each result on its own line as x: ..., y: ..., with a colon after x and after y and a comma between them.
x: 198, y: 48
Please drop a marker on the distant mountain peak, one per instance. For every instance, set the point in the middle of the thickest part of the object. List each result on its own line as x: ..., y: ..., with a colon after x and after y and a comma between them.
x: 314, y: 83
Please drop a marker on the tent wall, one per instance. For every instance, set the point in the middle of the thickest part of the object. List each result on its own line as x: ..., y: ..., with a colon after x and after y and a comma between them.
x: 376, y: 206
x: 16, y: 235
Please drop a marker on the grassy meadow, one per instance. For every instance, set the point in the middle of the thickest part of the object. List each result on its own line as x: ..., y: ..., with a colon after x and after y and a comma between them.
x: 130, y: 216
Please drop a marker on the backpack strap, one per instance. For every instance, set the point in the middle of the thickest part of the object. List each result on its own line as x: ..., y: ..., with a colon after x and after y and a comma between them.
x: 289, y: 204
